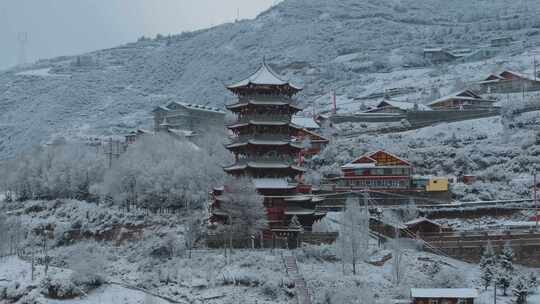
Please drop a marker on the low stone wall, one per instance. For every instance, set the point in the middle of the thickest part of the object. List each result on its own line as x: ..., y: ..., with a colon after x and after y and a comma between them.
x: 421, y: 118
x: 524, y: 253
x: 220, y: 240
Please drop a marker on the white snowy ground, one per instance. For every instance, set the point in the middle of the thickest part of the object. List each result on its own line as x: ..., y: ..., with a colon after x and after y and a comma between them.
x: 207, y: 277
x: 15, y: 274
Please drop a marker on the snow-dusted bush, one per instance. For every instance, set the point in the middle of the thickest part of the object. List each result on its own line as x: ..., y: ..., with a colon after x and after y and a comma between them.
x: 320, y: 253
x: 87, y: 261
x: 60, y: 288
x: 160, y: 172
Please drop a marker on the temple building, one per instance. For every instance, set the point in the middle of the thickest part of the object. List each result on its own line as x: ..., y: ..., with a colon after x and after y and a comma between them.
x: 266, y: 148
x: 180, y: 116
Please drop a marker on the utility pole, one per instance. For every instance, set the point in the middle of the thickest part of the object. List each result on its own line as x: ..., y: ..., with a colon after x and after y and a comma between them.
x: 112, y: 151
x: 534, y: 67
x: 334, y: 105
x: 33, y: 266
x: 45, y: 251
x: 535, y: 192
x: 23, y: 41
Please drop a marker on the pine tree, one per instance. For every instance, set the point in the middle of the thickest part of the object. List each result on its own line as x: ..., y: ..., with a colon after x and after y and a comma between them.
x: 487, y: 265
x: 532, y: 281
x: 505, y: 270
x: 521, y: 290
x: 506, y: 258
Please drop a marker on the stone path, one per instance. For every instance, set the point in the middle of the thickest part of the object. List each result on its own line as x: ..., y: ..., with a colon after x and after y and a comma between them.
x: 302, y: 294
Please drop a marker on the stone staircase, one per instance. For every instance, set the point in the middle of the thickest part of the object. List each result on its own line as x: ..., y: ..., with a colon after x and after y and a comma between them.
x: 302, y: 293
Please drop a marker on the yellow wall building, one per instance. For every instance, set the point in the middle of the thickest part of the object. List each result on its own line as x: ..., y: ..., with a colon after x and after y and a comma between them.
x: 437, y: 184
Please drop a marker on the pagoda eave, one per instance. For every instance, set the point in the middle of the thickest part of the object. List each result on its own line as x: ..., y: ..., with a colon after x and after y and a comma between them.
x: 264, y: 166
x: 240, y: 106
x: 262, y: 143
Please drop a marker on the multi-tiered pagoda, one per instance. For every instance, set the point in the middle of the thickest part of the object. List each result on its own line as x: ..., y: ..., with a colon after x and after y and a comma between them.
x: 266, y: 148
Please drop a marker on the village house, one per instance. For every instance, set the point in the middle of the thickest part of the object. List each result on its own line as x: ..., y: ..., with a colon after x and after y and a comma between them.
x: 463, y: 100
x: 422, y: 226
x: 501, y: 41
x: 508, y: 82
x: 430, y: 183
x: 375, y: 170
x: 443, y: 295
x: 188, y: 117
x: 438, y: 55
x: 132, y: 136
x: 400, y: 107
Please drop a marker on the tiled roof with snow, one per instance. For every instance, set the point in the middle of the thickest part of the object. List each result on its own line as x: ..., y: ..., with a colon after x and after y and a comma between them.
x: 405, y: 105
x: 198, y: 107
x: 273, y: 183
x: 299, y: 211
x: 420, y: 220
x: 358, y: 166
x: 373, y: 162
x: 449, y: 293
x: 305, y: 122
x: 456, y: 96
x: 263, y: 76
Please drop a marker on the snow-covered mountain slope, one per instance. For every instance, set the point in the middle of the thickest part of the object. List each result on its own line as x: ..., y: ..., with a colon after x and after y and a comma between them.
x: 321, y: 44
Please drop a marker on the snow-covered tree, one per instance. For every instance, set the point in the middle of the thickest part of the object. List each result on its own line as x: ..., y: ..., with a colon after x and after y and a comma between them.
x: 398, y: 266
x: 192, y: 232
x: 532, y: 281
x: 57, y: 171
x: 409, y: 211
x: 161, y: 172
x: 354, y: 233
x: 488, y: 264
x: 506, y: 258
x: 505, y: 272
x: 88, y: 263
x: 521, y: 289
x: 244, y: 206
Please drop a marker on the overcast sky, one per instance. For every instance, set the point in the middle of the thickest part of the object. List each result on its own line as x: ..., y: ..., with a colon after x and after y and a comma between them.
x: 67, y: 27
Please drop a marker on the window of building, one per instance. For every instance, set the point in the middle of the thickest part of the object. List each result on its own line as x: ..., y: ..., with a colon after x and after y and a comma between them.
x: 377, y: 171
x: 359, y: 171
x: 433, y: 301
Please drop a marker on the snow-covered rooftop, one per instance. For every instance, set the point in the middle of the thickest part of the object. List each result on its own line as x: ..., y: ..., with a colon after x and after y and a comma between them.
x: 263, y: 76
x: 198, y: 107
x: 305, y: 122
x: 403, y: 105
x: 420, y: 220
x: 457, y: 95
x: 358, y: 166
x: 272, y: 183
x: 444, y: 293
x: 299, y: 211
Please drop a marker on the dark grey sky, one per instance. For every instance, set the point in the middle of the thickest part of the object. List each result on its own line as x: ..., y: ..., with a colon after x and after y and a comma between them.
x: 65, y: 27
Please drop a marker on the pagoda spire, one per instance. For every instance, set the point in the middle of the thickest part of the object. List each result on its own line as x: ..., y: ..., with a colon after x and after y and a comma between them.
x: 264, y: 80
